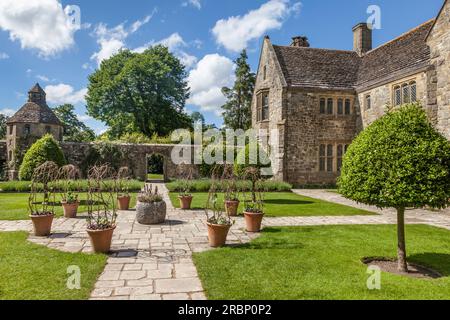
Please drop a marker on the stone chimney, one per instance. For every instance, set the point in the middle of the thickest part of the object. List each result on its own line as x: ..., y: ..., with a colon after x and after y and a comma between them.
x: 300, y: 42
x: 362, y: 38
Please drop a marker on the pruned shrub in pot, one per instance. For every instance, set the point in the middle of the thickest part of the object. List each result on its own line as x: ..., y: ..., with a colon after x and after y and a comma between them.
x: 185, y: 196
x: 102, y: 210
x: 123, y: 198
x: 42, y: 198
x: 231, y: 191
x: 150, y: 207
x: 217, y: 221
x: 69, y: 198
x: 254, y: 201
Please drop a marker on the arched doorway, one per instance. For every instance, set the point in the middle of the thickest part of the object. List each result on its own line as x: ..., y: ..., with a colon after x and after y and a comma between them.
x: 156, y: 167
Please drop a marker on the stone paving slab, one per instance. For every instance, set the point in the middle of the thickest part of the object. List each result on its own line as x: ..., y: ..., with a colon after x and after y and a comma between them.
x: 155, y: 262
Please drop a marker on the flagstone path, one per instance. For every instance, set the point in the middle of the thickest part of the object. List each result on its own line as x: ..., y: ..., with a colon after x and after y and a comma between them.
x: 155, y: 262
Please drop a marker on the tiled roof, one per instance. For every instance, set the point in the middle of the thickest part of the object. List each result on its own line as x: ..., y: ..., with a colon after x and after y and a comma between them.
x: 309, y: 67
x: 336, y: 69
x: 35, y: 113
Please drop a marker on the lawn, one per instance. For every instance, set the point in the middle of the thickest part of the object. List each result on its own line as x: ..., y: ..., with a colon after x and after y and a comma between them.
x: 155, y: 177
x: 324, y: 263
x: 285, y: 204
x: 14, y: 206
x: 33, y: 272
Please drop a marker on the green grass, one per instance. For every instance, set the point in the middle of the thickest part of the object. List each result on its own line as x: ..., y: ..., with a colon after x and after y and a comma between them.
x: 155, y: 176
x: 285, y: 204
x: 324, y: 263
x: 33, y: 272
x: 14, y: 206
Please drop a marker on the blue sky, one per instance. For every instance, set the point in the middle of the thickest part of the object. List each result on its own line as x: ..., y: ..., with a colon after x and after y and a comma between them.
x: 38, y: 44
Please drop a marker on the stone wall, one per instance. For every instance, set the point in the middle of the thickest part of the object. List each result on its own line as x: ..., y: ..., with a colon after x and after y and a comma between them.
x: 135, y: 158
x: 383, y: 95
x: 439, y: 75
x: 306, y: 129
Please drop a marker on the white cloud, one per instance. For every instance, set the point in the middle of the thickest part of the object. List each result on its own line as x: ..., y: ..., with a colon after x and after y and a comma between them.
x: 175, y: 43
x: 38, y: 24
x: 207, y: 79
x: 4, y: 56
x: 111, y: 40
x: 195, y: 3
x: 84, y: 117
x: 236, y: 32
x: 7, y: 112
x: 64, y: 93
x: 43, y: 78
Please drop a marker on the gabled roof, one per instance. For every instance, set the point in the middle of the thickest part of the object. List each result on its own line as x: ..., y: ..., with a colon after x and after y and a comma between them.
x: 309, y: 67
x: 337, y: 69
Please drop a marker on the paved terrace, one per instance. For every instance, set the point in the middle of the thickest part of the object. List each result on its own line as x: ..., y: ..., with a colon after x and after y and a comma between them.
x: 155, y: 262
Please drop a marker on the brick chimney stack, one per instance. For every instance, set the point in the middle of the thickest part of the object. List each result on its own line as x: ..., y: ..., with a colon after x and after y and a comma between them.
x: 362, y: 38
x: 300, y: 42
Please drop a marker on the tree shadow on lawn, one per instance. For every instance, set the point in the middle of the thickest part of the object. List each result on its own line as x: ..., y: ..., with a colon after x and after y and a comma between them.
x: 287, y: 202
x: 436, y: 261
x: 281, y: 244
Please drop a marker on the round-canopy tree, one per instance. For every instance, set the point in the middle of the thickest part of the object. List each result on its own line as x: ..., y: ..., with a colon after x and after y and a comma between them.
x: 43, y: 150
x: 140, y: 92
x: 400, y: 161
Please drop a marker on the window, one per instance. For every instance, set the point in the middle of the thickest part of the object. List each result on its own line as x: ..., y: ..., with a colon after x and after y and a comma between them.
x: 48, y: 129
x: 330, y: 106
x: 27, y: 129
x: 322, y: 158
x: 330, y: 158
x: 11, y: 128
x: 348, y: 107
x: 340, y: 106
x: 368, y: 102
x: 265, y: 106
x: 322, y: 105
x: 340, y: 154
x: 10, y: 156
x: 405, y: 93
x: 265, y: 72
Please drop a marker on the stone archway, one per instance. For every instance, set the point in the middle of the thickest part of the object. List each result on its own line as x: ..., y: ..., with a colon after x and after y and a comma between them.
x: 156, y: 168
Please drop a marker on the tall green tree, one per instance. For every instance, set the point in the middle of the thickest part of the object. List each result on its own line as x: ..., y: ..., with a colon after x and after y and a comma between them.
x: 3, y: 126
x: 400, y: 161
x: 237, y: 111
x: 140, y: 92
x: 74, y: 129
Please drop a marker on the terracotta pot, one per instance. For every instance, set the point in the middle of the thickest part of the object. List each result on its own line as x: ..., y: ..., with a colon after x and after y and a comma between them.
x: 123, y: 202
x: 217, y: 234
x: 253, y: 221
x: 231, y: 207
x: 42, y: 225
x: 101, y: 239
x: 70, y: 209
x: 185, y: 202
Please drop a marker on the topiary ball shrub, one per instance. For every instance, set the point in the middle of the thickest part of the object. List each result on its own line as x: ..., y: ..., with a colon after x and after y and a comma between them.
x: 43, y: 150
x: 400, y: 161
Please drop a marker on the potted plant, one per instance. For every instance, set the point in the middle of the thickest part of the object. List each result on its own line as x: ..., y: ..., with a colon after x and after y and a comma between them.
x: 69, y: 198
x: 231, y: 191
x: 102, y: 210
x: 42, y: 212
x: 217, y: 221
x: 150, y: 207
x: 123, y: 198
x: 254, y: 207
x: 185, y: 196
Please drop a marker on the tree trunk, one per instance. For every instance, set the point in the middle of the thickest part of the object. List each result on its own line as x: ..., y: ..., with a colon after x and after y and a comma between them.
x: 401, y: 249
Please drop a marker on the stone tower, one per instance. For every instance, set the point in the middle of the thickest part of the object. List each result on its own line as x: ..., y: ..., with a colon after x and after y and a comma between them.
x: 30, y: 123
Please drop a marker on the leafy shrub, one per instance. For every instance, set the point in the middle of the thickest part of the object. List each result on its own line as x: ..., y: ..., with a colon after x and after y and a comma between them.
x: 246, y: 159
x: 43, y: 150
x: 204, y: 185
x: 79, y: 185
x: 139, y: 138
x: 103, y: 153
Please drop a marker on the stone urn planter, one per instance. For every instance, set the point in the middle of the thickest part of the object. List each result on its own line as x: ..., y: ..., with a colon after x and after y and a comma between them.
x: 253, y: 221
x: 123, y: 202
x: 217, y: 234
x: 101, y: 239
x: 185, y: 202
x: 151, y: 213
x: 231, y: 207
x: 42, y: 224
x: 70, y: 209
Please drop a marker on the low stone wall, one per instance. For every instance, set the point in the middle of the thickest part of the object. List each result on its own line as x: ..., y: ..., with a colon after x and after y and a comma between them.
x: 135, y: 157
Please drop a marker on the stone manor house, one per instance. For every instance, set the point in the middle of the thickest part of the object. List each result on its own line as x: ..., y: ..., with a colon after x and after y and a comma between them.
x: 320, y: 99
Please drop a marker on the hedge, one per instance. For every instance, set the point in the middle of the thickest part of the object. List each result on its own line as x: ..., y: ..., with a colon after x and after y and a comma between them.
x: 205, y: 184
